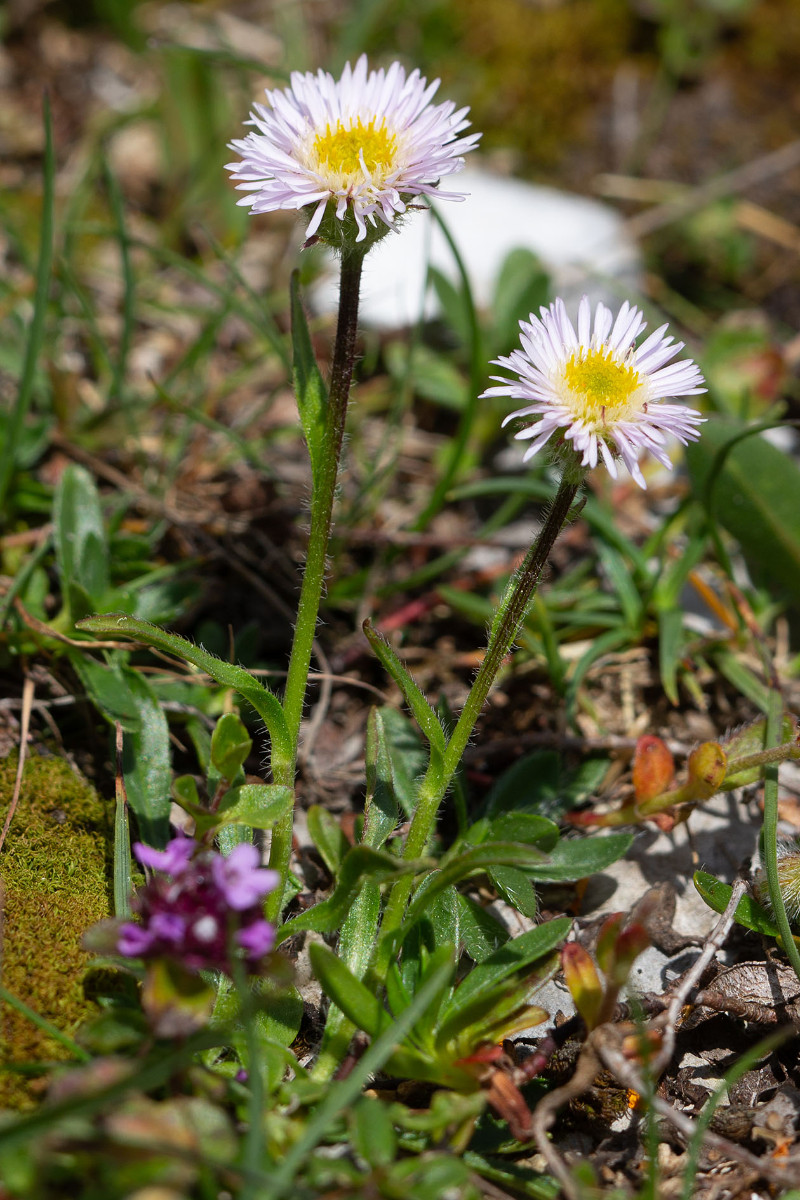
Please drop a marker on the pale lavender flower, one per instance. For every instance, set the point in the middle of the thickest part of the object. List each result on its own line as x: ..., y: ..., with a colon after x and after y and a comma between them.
x: 597, y: 389
x: 368, y: 142
x: 241, y: 878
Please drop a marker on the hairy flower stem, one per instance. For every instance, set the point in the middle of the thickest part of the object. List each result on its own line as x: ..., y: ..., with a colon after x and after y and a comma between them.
x: 502, y: 635
x: 323, y: 495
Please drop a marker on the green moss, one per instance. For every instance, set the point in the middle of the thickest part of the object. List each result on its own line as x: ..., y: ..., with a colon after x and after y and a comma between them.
x: 54, y: 873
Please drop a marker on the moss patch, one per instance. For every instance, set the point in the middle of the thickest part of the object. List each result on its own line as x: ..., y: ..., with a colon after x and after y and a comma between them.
x: 54, y: 872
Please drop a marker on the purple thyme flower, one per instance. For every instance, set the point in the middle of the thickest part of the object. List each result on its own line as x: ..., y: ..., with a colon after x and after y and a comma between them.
x: 201, y: 909
x: 240, y: 877
x: 173, y: 860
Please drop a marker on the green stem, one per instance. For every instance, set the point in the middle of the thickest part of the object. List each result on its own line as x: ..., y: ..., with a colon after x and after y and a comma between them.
x: 324, y: 493
x: 504, y: 631
x: 769, y: 832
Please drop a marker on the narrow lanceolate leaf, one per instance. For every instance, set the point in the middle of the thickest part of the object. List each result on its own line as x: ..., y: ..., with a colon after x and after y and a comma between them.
x: 80, y: 542
x: 309, y: 387
x: 124, y: 695
x: 266, y: 704
x: 515, y: 956
x: 424, y: 715
x: 357, y: 1002
x: 360, y: 862
x: 488, y: 854
x: 380, y: 808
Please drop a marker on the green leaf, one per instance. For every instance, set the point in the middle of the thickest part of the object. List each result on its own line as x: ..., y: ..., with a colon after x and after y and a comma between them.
x: 522, y: 827
x: 407, y: 755
x: 257, y: 805
x: 516, y: 889
x: 537, y: 783
x: 263, y: 701
x: 522, y: 287
x: 380, y: 808
x: 741, y: 677
x: 327, y: 835
x: 360, y: 861
x: 454, y: 304
x: 670, y: 649
x: 80, y: 541
x: 372, y: 1130
x: 575, y: 858
x: 619, y: 576
x: 748, y: 911
x: 481, y: 933
x: 517, y: 955
x: 230, y: 745
x: 357, y: 1002
x: 477, y: 858
x: 424, y: 714
x: 753, y: 490
x: 310, y: 391
x: 124, y: 695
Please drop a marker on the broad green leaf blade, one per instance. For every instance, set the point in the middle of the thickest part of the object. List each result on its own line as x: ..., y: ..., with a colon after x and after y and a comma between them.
x: 522, y: 827
x: 517, y: 955
x: 80, y: 542
x: 538, y: 784
x: 357, y: 1002
x: 361, y: 861
x: 407, y: 755
x: 575, y: 858
x: 753, y: 490
x: 424, y: 715
x: 263, y: 701
x: 310, y: 391
x: 257, y: 805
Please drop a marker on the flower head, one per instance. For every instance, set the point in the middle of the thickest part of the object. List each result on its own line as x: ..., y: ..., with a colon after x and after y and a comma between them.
x: 595, y: 385
x: 366, y: 143
x: 200, y: 908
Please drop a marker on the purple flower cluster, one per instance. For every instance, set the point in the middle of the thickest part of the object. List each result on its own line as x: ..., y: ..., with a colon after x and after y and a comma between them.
x: 200, y: 908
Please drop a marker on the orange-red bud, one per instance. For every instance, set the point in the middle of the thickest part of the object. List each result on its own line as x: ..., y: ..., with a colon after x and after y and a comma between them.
x: 653, y: 768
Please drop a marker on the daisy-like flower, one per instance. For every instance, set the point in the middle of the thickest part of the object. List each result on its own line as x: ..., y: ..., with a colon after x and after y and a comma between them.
x: 598, y: 388
x: 365, y: 143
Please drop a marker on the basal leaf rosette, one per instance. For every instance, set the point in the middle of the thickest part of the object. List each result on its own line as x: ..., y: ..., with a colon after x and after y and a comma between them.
x: 352, y: 151
x: 599, y: 393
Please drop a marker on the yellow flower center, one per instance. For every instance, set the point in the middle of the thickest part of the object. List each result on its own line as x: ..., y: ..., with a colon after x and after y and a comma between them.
x: 601, y: 389
x: 341, y: 150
